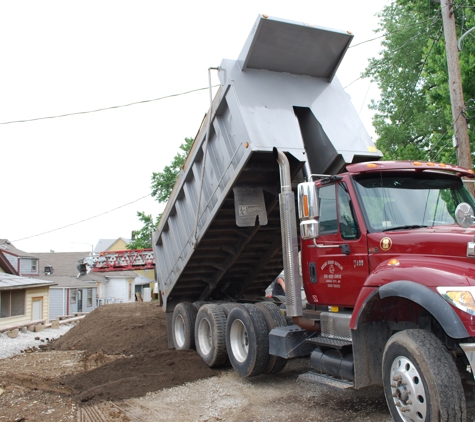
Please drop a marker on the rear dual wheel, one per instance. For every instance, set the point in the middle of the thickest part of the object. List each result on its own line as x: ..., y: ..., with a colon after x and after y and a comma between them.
x: 210, y: 335
x: 183, y: 326
x: 247, y: 340
x: 274, y: 319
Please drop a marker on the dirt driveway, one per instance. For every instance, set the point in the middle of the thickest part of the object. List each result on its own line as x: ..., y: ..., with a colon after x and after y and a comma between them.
x: 34, y: 389
x: 115, y: 366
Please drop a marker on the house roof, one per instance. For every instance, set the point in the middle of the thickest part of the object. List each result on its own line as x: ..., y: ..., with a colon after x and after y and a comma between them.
x: 65, y: 271
x: 10, y: 282
x: 121, y: 274
x: 7, y: 246
x: 6, y: 266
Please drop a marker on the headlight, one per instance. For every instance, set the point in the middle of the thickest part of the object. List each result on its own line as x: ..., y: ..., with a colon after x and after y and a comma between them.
x: 460, y: 297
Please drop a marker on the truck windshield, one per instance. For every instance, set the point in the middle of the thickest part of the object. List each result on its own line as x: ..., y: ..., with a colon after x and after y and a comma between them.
x: 392, y: 201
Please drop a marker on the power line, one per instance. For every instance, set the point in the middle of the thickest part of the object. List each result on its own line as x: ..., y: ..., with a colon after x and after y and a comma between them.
x: 440, y: 139
x: 105, y: 108
x: 434, y: 20
x: 391, y: 32
x: 82, y: 221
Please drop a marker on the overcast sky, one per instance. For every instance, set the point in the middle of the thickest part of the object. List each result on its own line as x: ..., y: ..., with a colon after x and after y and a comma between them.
x: 62, y: 57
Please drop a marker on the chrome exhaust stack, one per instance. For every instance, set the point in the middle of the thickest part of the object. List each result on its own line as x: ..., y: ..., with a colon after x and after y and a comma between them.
x: 290, y: 249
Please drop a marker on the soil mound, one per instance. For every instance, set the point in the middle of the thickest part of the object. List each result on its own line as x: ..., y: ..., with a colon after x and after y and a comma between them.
x: 138, y: 332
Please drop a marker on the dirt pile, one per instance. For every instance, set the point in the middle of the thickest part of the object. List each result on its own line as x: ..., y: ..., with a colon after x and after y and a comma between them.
x: 137, y: 332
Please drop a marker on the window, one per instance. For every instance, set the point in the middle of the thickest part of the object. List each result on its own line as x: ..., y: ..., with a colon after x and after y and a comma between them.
x: 410, y: 200
x: 89, y: 297
x: 348, y: 227
x: 73, y: 294
x: 12, y: 303
x: 34, y: 265
x: 328, y: 219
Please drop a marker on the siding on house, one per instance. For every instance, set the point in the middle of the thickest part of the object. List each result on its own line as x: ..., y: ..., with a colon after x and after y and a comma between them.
x: 29, y: 295
x: 29, y: 266
x: 12, y: 259
x: 118, y: 245
x: 58, y: 303
x: 34, y: 293
x: 117, y: 288
x: 61, y: 296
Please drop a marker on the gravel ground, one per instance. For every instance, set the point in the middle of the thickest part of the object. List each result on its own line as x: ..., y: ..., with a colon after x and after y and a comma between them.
x: 30, y: 340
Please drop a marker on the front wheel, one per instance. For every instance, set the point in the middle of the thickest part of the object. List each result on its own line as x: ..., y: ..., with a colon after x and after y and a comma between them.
x: 420, y: 378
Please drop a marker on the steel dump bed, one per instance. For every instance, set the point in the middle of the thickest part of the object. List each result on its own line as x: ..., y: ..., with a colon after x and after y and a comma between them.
x: 219, y: 237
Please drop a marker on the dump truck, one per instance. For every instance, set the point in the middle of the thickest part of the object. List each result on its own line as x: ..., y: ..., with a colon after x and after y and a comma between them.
x: 283, y: 175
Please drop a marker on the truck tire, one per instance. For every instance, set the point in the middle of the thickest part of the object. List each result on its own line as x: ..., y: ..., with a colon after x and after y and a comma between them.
x: 198, y: 304
x: 247, y: 341
x: 420, y: 379
x: 274, y: 318
x: 228, y: 307
x: 210, y: 335
x: 183, y: 326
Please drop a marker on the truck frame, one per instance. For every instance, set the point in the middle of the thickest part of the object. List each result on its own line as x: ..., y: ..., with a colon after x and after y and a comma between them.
x: 383, y: 250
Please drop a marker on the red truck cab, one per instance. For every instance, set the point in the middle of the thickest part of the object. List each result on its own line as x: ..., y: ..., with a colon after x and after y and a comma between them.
x: 390, y: 246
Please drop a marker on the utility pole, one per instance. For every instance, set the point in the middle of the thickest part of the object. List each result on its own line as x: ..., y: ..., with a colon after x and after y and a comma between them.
x: 462, y: 141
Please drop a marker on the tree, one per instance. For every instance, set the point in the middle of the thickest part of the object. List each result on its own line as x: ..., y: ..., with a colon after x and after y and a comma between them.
x: 413, y: 116
x: 162, y: 186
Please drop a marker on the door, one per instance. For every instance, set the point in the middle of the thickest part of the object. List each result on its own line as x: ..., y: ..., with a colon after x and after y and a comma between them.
x: 79, y: 300
x: 338, y: 265
x: 37, y: 308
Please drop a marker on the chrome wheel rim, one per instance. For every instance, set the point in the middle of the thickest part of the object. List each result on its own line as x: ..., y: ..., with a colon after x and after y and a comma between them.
x: 408, y: 390
x: 204, y: 336
x: 180, y: 331
x: 239, y: 340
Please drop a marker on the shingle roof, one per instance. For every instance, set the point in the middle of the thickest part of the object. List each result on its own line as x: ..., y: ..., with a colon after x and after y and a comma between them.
x: 10, y: 281
x: 7, y: 246
x: 65, y: 272
x: 72, y: 282
x: 6, y: 266
x: 63, y: 263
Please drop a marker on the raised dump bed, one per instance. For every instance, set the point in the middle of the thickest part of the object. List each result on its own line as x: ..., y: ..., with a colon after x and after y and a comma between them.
x: 281, y: 92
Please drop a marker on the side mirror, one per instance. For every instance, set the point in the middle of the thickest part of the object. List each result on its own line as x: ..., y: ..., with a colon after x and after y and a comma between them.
x: 308, y: 201
x: 309, y: 229
x: 464, y: 215
x: 309, y: 211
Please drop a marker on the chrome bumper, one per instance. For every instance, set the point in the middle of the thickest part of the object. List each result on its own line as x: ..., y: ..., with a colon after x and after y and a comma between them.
x: 469, y: 349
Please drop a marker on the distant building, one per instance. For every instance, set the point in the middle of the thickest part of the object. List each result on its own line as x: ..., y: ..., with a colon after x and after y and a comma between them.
x: 122, y: 285
x: 23, y: 299
x: 76, y: 288
x: 111, y: 245
x: 25, y: 264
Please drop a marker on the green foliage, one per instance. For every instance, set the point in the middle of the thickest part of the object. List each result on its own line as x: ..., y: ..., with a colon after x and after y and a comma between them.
x: 162, y: 186
x: 163, y: 182
x: 143, y: 237
x: 413, y: 117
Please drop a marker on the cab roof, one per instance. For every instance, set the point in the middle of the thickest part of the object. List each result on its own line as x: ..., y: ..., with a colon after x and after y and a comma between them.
x: 377, y: 166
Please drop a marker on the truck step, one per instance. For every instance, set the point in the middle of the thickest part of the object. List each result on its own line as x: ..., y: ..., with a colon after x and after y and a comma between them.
x: 327, y: 380
x: 329, y: 342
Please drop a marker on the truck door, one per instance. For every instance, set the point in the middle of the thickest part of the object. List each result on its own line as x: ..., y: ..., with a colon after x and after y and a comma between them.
x: 337, y: 265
